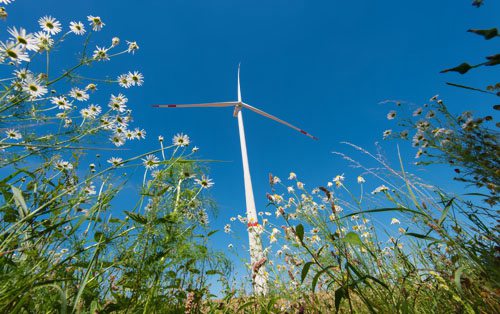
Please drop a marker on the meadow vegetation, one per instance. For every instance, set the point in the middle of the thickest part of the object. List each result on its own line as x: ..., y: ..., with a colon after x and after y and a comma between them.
x: 68, y: 245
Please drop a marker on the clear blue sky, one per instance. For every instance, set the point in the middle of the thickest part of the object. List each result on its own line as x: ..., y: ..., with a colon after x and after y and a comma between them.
x: 322, y: 65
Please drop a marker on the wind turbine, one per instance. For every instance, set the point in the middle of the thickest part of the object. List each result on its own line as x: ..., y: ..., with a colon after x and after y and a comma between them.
x: 257, y: 258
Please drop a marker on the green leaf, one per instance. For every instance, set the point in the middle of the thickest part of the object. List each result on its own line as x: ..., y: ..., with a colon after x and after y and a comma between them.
x: 20, y: 202
x: 352, y: 238
x: 462, y: 68
x: 493, y: 60
x: 422, y: 236
x: 245, y: 306
x: 305, y: 270
x: 137, y: 217
x: 486, y: 33
x: 380, y: 210
x: 445, y: 212
x: 212, y: 232
x: 316, y: 277
x: 299, y: 230
x: 339, y: 295
x: 212, y: 272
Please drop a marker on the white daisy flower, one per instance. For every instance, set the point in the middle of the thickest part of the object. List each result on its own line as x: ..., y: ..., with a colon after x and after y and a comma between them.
x: 338, y: 180
x: 205, y: 182
x: 45, y: 42
x: 181, y: 140
x: 132, y: 46
x: 361, y: 179
x: 292, y: 176
x: 95, y: 22
x: 125, y: 81
x: 77, y: 28
x: 89, y: 190
x: 23, y: 74
x: 13, y: 51
x: 387, y: 133
x: 63, y: 165
x: 117, y: 139
x: 13, y: 134
x: 23, y: 39
x: 6, y: 1
x: 417, y: 112
x: 50, y: 25
x: 100, y: 54
x: 34, y: 88
x: 115, y: 161
x: 140, y: 133
x: 150, y: 162
x: 79, y: 94
x: 136, y: 78
x: 381, y: 188
x: 391, y: 115
x: 61, y: 102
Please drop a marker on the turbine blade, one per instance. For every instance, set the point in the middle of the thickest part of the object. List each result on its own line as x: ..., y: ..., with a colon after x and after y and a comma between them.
x: 211, y: 104
x: 239, y: 88
x: 267, y: 115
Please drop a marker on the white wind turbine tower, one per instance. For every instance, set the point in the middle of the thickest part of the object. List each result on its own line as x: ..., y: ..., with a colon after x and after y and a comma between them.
x: 257, y: 258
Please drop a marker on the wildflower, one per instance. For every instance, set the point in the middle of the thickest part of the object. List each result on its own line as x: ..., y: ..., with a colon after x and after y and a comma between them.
x: 329, y: 184
x: 300, y: 185
x: 354, y: 217
x: 45, y: 42
x: 229, y: 246
x: 34, y: 88
x: 290, y: 189
x: 381, y: 188
x: 417, y: 112
x: 95, y: 22
x: 431, y: 114
x: 13, y: 134
x: 150, y: 162
x: 61, y: 102
x: 338, y: 180
x: 14, y: 52
x: 391, y: 115
x: 63, y: 165
x: 276, y: 180
x: 140, y: 133
x: 136, y: 78
x: 205, y: 182
x: 124, y: 81
x: 387, y: 133
x: 227, y: 228
x: 419, y: 153
x: 232, y: 219
x: 292, y: 176
x: 79, y: 94
x: 118, y: 140
x: 194, y: 149
x: 417, y: 138
x: 401, y: 230
x: 23, y: 74
x: 91, y: 87
x: 100, y: 54
x: 365, y: 234
x: 6, y: 1
x: 434, y: 98
x: 394, y: 221
x: 132, y: 47
x: 115, y: 161
x: 50, y: 25
x: 23, y: 39
x: 181, y: 140
x: 361, y: 180
x: 115, y: 41
x: 404, y: 134
x: 117, y: 105
x: 89, y: 190
x: 77, y: 28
